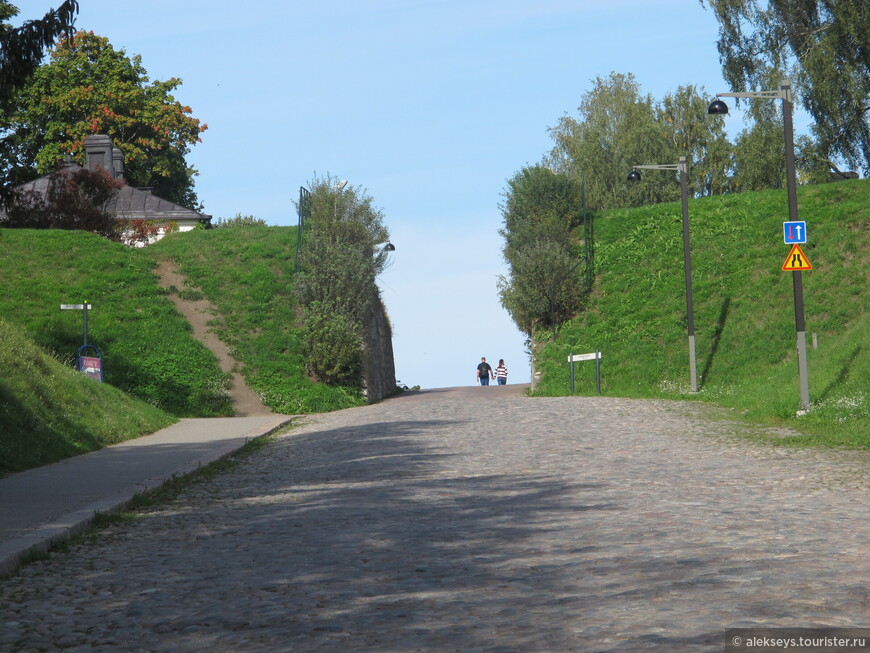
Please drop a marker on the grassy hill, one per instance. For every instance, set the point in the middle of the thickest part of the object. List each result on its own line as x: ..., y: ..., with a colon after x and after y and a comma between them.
x: 146, y: 346
x: 247, y: 274
x: 154, y: 370
x: 744, y: 309
x: 49, y: 411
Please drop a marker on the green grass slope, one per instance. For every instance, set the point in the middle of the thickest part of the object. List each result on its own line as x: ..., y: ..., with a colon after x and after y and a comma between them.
x: 247, y: 273
x: 49, y: 411
x: 154, y: 370
x: 147, y: 347
x: 744, y: 309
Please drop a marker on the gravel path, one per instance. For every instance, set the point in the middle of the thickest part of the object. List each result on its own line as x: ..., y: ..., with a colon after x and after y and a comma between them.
x: 473, y: 520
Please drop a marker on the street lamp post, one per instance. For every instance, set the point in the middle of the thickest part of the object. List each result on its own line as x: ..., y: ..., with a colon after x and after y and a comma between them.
x: 339, y: 186
x: 301, y: 212
x: 718, y: 107
x: 680, y: 167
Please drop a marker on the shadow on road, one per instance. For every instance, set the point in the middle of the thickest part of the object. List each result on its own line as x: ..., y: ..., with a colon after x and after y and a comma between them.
x: 371, y: 526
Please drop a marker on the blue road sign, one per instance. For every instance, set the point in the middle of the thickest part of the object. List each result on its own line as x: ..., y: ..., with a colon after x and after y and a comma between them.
x: 794, y: 232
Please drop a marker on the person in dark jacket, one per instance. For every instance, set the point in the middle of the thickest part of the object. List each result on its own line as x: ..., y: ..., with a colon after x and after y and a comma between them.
x: 484, y: 372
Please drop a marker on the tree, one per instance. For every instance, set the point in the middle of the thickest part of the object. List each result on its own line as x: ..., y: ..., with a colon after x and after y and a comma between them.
x: 544, y: 286
x: 823, y: 46
x: 699, y: 137
x: 22, y: 48
x: 616, y: 129
x: 87, y: 88
x: 540, y: 204
x: 21, y: 52
x: 759, y: 150
x: 340, y: 261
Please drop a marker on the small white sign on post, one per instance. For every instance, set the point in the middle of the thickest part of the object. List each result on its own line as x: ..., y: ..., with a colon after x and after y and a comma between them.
x: 594, y: 356
x: 584, y: 357
x: 73, y: 307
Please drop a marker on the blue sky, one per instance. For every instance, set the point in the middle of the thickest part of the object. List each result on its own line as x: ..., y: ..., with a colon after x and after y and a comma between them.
x: 430, y: 106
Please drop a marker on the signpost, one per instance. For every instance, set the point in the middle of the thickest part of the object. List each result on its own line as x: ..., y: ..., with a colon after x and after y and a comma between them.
x: 91, y: 366
x: 794, y: 232
x: 596, y: 356
x: 79, y: 307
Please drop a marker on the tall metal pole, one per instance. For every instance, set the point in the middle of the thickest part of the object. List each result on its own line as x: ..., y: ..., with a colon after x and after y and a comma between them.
x: 300, y: 211
x: 687, y: 264
x: 687, y: 257
x: 797, y: 279
x: 718, y: 107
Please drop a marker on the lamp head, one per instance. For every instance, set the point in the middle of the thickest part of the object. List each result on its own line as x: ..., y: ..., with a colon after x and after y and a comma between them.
x: 717, y: 108
x: 389, y: 247
x: 634, y: 175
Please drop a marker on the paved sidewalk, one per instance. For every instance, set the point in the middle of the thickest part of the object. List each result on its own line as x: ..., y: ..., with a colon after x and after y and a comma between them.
x: 43, y: 505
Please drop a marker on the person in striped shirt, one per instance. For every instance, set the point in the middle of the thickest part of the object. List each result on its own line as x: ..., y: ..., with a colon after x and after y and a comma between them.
x: 501, y: 372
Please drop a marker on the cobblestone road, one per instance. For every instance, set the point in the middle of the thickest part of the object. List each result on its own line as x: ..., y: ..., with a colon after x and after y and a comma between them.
x: 472, y: 520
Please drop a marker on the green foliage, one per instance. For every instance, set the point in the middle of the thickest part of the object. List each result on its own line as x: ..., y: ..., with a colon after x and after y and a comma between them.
x: 252, y: 288
x: 616, y: 129
x: 823, y: 46
x: 48, y: 411
x: 545, y: 281
x: 333, y: 345
x: 340, y: 261
x: 87, y: 88
x: 240, y: 221
x: 759, y: 161
x: 74, y: 199
x: 540, y: 204
x: 22, y: 48
x: 147, y: 348
x: 699, y: 137
x: 21, y: 52
x: 744, y: 309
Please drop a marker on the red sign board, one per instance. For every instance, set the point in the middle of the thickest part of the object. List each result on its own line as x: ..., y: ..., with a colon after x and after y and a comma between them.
x: 91, y: 367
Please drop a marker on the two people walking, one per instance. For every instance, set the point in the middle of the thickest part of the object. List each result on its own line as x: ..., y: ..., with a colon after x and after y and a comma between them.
x: 485, y: 373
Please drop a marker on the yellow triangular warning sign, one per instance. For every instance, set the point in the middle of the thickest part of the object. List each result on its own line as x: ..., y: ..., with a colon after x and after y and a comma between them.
x: 796, y: 260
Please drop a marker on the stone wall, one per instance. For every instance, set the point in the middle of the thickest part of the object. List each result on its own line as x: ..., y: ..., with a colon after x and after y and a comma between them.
x: 379, y: 368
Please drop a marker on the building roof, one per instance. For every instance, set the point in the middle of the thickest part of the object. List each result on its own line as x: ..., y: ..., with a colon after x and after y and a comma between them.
x: 129, y: 203
x: 132, y: 203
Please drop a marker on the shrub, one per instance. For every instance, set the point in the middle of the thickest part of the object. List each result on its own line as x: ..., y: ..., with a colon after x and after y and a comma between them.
x: 240, y: 221
x: 332, y: 346
x: 75, y: 199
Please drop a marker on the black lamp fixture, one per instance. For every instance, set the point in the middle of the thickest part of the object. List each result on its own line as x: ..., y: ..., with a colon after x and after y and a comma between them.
x: 634, y: 175
x: 717, y: 108
x: 389, y: 247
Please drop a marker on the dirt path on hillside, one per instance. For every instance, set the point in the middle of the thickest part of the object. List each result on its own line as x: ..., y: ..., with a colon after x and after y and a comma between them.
x: 198, y: 313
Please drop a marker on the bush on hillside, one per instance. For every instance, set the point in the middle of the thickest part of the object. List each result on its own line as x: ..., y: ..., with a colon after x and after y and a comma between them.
x: 340, y: 261
x: 333, y: 346
x: 240, y: 221
x: 75, y: 199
